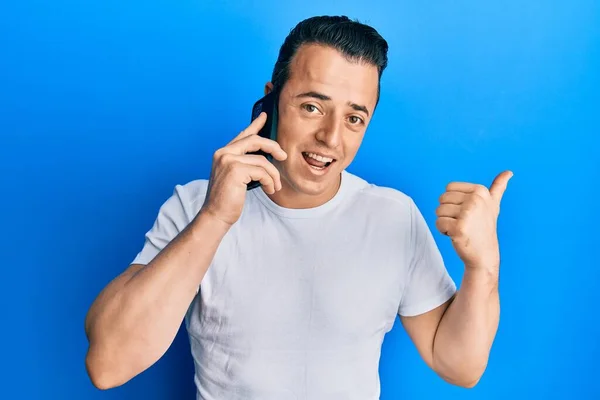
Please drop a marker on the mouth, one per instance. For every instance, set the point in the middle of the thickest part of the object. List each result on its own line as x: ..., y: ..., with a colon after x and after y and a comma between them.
x: 317, y: 162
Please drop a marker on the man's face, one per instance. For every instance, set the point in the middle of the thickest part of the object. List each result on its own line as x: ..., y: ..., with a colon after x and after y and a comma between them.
x: 324, y: 110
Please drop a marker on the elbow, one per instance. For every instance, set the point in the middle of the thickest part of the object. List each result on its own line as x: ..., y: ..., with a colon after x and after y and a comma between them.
x: 467, y: 380
x: 464, y: 381
x: 102, y: 376
x: 461, y: 375
x: 468, y: 383
x: 99, y: 378
x: 100, y: 381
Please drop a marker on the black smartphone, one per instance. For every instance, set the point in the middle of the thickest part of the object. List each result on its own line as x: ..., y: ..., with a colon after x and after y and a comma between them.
x: 268, y: 104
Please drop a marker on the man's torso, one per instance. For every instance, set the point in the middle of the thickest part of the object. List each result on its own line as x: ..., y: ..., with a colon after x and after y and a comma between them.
x: 296, y: 303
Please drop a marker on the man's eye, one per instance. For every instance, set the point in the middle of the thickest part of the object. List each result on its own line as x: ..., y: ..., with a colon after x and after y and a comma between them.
x: 355, y: 120
x: 310, y: 108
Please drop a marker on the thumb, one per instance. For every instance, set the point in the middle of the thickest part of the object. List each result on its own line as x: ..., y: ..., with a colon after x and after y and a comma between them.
x: 499, y: 185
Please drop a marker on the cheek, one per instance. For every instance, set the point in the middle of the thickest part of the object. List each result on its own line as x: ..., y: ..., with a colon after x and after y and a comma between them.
x: 292, y: 132
x: 352, y: 144
x: 284, y: 127
x: 286, y: 140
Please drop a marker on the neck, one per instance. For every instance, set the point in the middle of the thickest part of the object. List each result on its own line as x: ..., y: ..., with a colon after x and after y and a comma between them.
x: 290, y: 197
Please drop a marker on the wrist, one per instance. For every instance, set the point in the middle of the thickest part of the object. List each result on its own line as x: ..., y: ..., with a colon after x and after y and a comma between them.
x: 205, y: 221
x: 481, y: 277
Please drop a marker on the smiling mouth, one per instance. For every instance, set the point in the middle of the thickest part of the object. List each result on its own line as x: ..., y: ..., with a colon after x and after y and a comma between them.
x: 317, y: 162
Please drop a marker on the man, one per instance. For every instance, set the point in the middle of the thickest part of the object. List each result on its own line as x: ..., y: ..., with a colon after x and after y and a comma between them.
x: 288, y: 290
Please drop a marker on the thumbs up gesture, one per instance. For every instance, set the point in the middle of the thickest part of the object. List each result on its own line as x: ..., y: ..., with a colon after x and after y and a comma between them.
x: 468, y: 214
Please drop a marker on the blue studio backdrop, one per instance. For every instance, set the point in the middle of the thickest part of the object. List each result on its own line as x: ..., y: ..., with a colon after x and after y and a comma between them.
x: 106, y: 105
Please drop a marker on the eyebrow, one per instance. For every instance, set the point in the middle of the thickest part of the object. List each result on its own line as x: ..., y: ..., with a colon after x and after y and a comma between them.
x: 324, y: 97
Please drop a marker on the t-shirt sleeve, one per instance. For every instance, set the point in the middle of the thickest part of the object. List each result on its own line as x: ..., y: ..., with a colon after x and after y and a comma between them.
x: 172, y: 218
x: 428, y: 283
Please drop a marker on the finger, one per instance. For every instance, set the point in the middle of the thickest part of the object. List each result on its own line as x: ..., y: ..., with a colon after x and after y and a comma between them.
x: 499, y: 185
x: 446, y: 225
x: 452, y: 198
x: 260, y: 161
x: 448, y: 210
x: 464, y: 187
x: 254, y: 143
x: 252, y: 129
x: 255, y: 173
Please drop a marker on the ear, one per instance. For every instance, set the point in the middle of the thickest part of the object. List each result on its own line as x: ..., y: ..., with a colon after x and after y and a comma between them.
x: 268, y: 87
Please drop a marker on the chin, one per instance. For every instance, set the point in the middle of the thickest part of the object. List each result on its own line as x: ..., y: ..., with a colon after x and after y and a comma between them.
x: 314, y: 186
x: 302, y: 179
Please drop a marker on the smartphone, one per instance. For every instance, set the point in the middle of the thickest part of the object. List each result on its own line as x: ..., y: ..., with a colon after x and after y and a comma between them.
x: 268, y: 104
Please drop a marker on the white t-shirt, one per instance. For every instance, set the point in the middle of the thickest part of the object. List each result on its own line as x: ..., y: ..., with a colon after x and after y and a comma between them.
x: 296, y: 302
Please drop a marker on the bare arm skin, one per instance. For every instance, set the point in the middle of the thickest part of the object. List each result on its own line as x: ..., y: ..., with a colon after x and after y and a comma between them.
x: 455, y: 339
x: 135, y: 318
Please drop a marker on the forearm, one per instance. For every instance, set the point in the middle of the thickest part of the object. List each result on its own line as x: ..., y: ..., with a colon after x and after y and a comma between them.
x: 134, y: 321
x: 467, y: 329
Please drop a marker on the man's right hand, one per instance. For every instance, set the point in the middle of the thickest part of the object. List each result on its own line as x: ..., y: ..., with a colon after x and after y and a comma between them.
x: 233, y: 169
x: 126, y: 331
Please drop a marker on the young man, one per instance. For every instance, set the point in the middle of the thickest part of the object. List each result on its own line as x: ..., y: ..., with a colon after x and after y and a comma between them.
x: 288, y: 290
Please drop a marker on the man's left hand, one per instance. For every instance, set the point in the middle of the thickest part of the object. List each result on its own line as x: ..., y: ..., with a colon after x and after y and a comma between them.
x: 468, y: 214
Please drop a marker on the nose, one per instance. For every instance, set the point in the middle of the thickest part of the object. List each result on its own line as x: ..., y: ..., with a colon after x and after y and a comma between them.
x: 330, y: 133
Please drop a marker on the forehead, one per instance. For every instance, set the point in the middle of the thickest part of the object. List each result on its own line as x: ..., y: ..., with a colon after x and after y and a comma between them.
x: 326, y: 70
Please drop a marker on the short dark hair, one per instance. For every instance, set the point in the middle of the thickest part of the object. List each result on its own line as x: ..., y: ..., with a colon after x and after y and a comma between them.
x: 355, y: 40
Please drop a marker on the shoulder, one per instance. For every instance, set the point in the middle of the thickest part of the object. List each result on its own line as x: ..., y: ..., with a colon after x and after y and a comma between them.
x: 193, y: 191
x: 186, y: 199
x: 389, y: 213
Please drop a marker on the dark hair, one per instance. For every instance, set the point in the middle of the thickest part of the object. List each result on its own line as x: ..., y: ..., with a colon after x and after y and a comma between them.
x: 357, y: 41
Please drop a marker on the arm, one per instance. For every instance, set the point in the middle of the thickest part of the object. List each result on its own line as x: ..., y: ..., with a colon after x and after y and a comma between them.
x: 134, y: 320
x: 467, y: 330
x: 455, y: 338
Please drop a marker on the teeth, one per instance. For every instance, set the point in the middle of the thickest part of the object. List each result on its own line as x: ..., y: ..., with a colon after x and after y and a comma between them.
x: 319, y: 158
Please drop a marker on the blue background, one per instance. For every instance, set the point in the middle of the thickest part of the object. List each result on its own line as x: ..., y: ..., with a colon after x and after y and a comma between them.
x: 106, y: 105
